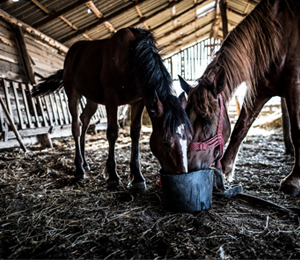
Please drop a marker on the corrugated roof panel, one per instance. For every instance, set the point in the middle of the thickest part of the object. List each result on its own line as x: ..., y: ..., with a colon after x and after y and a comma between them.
x: 164, y: 23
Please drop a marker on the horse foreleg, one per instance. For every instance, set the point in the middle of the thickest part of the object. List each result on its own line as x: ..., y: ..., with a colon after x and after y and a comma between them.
x: 112, y: 134
x: 73, y: 99
x: 291, y: 184
x: 85, y: 117
x: 137, y: 179
x: 244, y: 122
x: 289, y: 148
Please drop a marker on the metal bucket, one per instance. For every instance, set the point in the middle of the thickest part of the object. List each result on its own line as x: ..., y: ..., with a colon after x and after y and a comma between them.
x: 188, y: 192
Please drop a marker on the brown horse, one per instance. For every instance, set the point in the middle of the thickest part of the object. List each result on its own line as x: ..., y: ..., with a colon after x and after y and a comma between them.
x: 263, y: 51
x: 125, y: 69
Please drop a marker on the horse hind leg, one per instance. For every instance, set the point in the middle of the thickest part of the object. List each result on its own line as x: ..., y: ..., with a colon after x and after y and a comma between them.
x: 291, y: 184
x: 137, y: 179
x: 85, y: 118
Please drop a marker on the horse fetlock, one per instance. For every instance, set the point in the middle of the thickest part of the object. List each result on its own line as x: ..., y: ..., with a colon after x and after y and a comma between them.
x: 137, y: 186
x: 111, y: 184
x: 79, y: 174
x: 86, y: 166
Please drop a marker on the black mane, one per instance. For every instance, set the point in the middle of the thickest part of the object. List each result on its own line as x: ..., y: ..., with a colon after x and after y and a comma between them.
x: 149, y: 71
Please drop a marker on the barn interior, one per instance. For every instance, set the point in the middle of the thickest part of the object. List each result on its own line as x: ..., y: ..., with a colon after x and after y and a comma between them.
x: 45, y: 214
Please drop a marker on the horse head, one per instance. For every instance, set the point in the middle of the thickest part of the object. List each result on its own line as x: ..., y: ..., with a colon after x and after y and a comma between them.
x: 171, y: 134
x: 211, y: 126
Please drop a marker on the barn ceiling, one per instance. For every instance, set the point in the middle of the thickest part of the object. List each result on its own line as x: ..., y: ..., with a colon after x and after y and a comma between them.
x: 175, y: 24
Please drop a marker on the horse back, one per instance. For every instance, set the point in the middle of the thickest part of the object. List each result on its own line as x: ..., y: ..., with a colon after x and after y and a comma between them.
x: 98, y: 69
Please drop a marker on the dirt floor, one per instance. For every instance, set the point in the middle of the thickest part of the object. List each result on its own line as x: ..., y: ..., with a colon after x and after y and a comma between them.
x: 45, y: 214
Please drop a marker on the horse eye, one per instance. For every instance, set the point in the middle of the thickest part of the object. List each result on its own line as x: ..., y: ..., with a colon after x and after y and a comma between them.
x: 166, y: 144
x: 207, y: 123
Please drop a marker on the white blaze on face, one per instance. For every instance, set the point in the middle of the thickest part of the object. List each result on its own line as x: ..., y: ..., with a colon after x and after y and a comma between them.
x: 183, y: 146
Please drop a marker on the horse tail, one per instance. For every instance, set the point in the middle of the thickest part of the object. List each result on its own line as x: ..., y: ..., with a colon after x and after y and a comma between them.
x: 49, y: 85
x: 147, y: 66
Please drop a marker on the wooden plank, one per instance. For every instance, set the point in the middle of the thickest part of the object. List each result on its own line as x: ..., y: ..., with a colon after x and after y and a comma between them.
x: 64, y: 106
x: 49, y: 112
x: 223, y: 7
x: 3, y: 124
x: 12, y: 71
x: 54, y: 109
x: 33, y: 32
x: 32, y: 100
x: 24, y: 53
x: 20, y: 116
x: 59, y: 109
x: 5, y: 56
x: 66, y: 100
x: 9, y: 49
x: 34, y: 45
x: 45, y: 121
x: 27, y: 110
x: 7, y: 97
x: 7, y: 32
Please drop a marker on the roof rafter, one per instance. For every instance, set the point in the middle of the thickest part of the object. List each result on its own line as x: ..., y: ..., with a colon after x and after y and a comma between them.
x: 62, y: 17
x: 180, y: 15
x: 189, y: 34
x: 175, y: 30
x: 100, y: 21
x: 55, y: 15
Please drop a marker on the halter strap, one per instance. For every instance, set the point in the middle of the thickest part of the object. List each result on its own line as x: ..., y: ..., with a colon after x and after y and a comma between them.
x: 215, y: 141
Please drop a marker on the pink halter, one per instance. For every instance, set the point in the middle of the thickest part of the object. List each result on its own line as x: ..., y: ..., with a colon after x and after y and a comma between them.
x: 215, y: 141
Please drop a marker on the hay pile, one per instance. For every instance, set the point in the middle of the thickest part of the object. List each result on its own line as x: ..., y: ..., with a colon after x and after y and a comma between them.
x: 45, y: 214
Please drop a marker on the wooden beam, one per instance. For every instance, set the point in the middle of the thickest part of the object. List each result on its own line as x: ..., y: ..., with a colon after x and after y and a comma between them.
x: 20, y: 40
x: 186, y: 35
x: 182, y: 26
x: 179, y: 48
x: 66, y: 20
x: 59, y: 13
x: 94, y: 9
x: 68, y: 23
x: 37, y: 3
x: 109, y: 17
x: 246, y: 9
x: 179, y: 15
x: 223, y: 8
x: 33, y: 32
x: 138, y: 11
x: 110, y: 27
x: 217, y: 21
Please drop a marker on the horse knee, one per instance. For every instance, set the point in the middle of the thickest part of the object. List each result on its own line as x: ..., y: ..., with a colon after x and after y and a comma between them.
x: 112, y: 134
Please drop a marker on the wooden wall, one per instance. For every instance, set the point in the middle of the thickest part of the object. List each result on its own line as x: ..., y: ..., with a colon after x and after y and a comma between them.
x: 24, y: 60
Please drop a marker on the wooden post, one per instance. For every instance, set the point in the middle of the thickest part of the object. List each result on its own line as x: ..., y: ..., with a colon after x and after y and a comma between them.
x: 45, y: 140
x: 24, y: 53
x: 223, y: 7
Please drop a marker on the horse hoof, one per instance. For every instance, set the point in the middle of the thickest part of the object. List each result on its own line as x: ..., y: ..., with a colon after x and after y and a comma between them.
x: 137, y: 186
x: 87, y: 167
x: 79, y: 177
x: 114, y: 184
x: 290, y: 190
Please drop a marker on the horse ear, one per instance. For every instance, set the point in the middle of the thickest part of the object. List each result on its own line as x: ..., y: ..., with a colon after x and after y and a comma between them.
x: 183, y: 100
x: 156, y: 108
x: 184, y: 85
